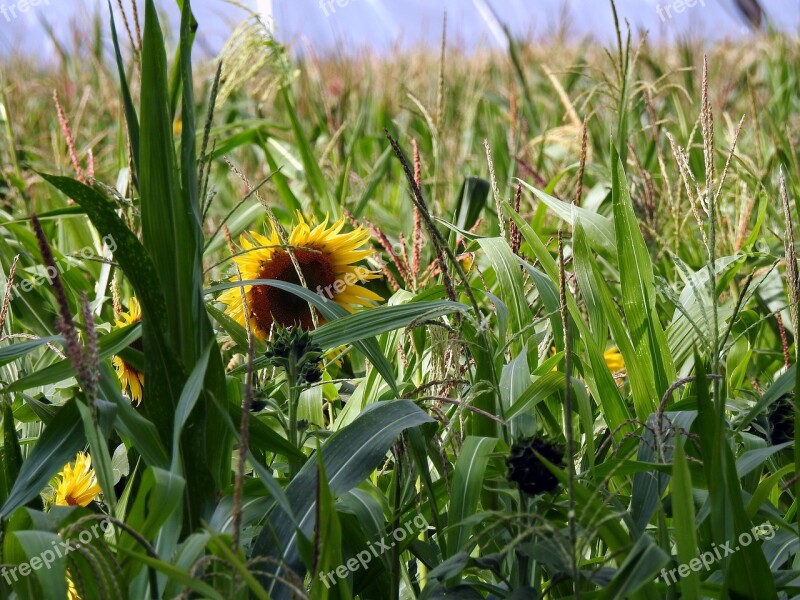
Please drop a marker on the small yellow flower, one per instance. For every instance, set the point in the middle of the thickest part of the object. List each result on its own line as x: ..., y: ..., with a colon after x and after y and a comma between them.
x: 327, y: 259
x: 132, y: 379
x: 614, y: 360
x: 77, y: 485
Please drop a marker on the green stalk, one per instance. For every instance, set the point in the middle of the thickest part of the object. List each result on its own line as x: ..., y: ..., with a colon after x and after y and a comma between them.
x: 572, y: 526
x: 524, y: 560
x: 294, y: 399
x: 12, y: 149
x: 793, y: 284
x: 394, y: 588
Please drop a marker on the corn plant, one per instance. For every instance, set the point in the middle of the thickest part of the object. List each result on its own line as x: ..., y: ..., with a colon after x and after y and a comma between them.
x: 434, y: 326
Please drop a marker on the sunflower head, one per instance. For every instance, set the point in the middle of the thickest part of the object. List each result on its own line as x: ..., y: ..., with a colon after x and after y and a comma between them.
x: 131, y: 378
x: 527, y: 470
x: 327, y: 260
x: 614, y: 360
x: 780, y: 420
x: 77, y: 485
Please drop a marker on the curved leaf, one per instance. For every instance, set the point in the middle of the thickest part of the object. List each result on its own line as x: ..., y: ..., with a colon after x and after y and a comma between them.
x: 349, y: 456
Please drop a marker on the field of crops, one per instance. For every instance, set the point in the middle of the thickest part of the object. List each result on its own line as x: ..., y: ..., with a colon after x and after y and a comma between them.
x: 440, y: 324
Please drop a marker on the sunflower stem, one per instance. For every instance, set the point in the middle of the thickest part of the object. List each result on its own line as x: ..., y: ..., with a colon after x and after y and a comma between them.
x: 294, y: 399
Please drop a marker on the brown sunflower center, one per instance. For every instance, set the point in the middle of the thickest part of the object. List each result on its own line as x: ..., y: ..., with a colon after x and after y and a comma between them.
x: 268, y: 304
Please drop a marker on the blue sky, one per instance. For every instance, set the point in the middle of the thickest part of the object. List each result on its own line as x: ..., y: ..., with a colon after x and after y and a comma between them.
x: 383, y: 24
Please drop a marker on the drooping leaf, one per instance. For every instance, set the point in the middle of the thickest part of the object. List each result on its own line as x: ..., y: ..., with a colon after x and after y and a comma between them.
x: 349, y: 456
x: 468, y: 480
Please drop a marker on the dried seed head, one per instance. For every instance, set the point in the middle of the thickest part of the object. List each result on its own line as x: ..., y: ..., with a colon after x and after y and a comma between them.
x: 792, y: 276
x: 87, y: 371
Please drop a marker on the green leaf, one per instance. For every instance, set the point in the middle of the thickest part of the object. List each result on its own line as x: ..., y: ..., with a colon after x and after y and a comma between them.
x: 232, y: 328
x: 466, y: 490
x: 636, y: 277
x: 640, y: 371
x: 593, y: 512
x: 163, y: 372
x: 349, y: 456
x: 221, y: 547
x: 131, y: 424
x: 322, y: 200
x: 60, y: 441
x: 30, y: 546
x: 172, y: 234
x: 471, y: 202
x: 746, y: 572
x: 12, y: 352
x: 131, y: 119
x: 370, y: 323
x: 175, y: 574
x: 549, y: 295
x: 132, y: 257
x: 360, y: 326
x: 108, y: 345
x: 599, y: 229
x: 327, y: 543
x: 638, y: 570
x: 602, y: 384
x: 158, y: 497
x: 168, y: 230
x: 98, y: 447
x: 543, y: 387
x: 511, y: 288
x: 331, y: 312
x: 683, y: 514
x: 188, y: 400
x: 12, y: 454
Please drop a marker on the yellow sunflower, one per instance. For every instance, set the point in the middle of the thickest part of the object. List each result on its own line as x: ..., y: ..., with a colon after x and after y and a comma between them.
x: 614, y: 360
x: 77, y: 486
x: 132, y: 379
x: 612, y: 356
x: 327, y: 260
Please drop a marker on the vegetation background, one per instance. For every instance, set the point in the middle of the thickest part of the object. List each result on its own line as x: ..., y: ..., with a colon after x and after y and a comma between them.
x: 582, y: 377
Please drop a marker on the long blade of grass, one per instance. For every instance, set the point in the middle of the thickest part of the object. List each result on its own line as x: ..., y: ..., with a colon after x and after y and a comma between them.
x: 638, y: 290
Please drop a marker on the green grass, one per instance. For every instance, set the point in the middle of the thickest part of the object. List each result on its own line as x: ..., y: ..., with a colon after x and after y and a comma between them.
x: 620, y: 208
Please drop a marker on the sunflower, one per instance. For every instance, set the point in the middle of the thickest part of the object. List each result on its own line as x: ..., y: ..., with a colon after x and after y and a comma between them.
x: 77, y: 485
x: 614, y: 360
x: 132, y: 379
x: 327, y: 260
x: 527, y: 470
